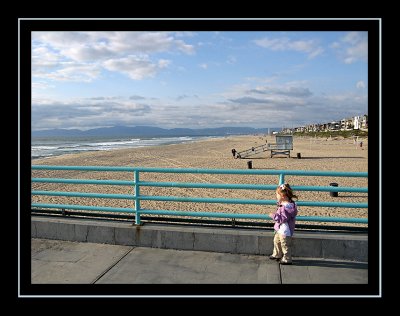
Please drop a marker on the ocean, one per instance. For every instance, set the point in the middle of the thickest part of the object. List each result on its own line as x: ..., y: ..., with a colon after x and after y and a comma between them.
x: 45, y: 147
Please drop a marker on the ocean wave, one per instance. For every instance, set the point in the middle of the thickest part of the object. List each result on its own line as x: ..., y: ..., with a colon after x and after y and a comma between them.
x: 56, y: 147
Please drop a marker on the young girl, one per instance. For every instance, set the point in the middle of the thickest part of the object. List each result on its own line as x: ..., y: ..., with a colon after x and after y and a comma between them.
x: 284, y: 217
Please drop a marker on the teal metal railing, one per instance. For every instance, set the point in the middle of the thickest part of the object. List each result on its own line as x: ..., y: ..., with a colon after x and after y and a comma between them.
x: 137, y: 197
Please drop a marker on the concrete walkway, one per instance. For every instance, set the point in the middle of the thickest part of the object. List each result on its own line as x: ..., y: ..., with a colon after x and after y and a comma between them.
x: 68, y: 262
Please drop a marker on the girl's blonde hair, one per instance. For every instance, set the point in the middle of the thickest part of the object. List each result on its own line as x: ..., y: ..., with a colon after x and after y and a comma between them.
x: 285, y: 190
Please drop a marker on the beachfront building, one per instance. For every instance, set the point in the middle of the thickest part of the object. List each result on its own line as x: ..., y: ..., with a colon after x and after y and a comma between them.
x: 364, y: 122
x: 346, y: 124
x: 334, y: 126
x: 357, y: 122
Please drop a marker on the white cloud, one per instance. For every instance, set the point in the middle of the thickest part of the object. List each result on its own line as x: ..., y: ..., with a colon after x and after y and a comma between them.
x: 353, y: 47
x: 41, y: 85
x: 254, y: 105
x: 163, y: 63
x: 360, y: 85
x: 83, y: 46
x: 112, y: 50
x: 135, y: 67
x: 292, y: 102
x: 86, y: 113
x: 186, y: 48
x: 71, y: 72
x: 310, y: 47
x: 203, y: 65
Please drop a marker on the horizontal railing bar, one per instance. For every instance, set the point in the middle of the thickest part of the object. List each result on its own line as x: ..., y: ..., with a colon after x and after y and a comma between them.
x: 198, y: 214
x: 199, y: 185
x: 332, y: 219
x: 255, y: 216
x: 85, y: 194
x: 207, y: 171
x: 329, y: 189
x: 84, y: 207
x: 208, y: 185
x: 205, y: 214
x: 332, y: 204
x: 206, y: 200
x: 247, y: 201
x: 83, y: 168
x: 250, y: 186
x: 83, y: 181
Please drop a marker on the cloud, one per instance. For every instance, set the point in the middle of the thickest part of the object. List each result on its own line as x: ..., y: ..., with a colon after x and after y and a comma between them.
x: 185, y: 96
x: 280, y: 105
x: 41, y: 85
x: 254, y: 103
x: 352, y: 47
x: 136, y: 97
x: 203, y: 65
x: 310, y: 47
x: 181, y: 97
x: 55, y: 55
x: 287, y: 104
x: 104, y: 98
x: 247, y: 100
x: 86, y: 46
x: 135, y: 67
x: 44, y: 57
x: 71, y: 72
x: 286, y: 90
x: 86, y: 113
x: 360, y: 85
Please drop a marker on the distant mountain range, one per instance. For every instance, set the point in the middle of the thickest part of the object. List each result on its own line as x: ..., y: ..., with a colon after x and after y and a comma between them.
x: 149, y: 131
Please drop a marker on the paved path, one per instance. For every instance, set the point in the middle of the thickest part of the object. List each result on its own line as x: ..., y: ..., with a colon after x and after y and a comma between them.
x: 65, y: 262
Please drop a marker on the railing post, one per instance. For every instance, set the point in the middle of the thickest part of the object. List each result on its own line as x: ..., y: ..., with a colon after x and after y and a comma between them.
x: 137, y: 200
x: 281, y: 179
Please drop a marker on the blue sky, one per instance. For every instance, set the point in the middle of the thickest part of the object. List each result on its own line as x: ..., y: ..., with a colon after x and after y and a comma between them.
x: 200, y: 79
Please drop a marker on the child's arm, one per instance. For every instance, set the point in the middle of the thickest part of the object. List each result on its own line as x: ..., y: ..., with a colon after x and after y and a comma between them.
x: 290, y: 210
x: 284, y: 213
x: 279, y: 215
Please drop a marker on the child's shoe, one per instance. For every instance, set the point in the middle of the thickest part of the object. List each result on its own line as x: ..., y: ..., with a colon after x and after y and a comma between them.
x: 285, y: 262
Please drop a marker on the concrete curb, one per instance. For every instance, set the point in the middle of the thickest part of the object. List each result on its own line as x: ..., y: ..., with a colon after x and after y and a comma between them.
x: 345, y: 246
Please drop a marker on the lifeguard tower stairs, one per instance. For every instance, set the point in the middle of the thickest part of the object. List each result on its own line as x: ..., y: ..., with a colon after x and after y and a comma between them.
x: 252, y: 151
x: 283, y: 146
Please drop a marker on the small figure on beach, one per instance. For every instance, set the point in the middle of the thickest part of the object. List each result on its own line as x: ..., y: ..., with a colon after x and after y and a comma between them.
x: 233, y: 152
x: 285, y: 219
x: 361, y: 143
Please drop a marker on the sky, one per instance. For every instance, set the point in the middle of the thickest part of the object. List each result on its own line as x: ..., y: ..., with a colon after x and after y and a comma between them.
x: 204, y: 79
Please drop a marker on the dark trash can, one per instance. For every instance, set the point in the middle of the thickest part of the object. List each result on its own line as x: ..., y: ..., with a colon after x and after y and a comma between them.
x: 334, y: 194
x: 298, y: 155
x: 250, y: 164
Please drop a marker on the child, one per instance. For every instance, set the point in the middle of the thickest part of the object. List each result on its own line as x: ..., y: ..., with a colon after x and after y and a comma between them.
x: 284, y: 217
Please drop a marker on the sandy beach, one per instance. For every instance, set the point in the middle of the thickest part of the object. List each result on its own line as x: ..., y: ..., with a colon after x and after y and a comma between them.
x: 334, y: 154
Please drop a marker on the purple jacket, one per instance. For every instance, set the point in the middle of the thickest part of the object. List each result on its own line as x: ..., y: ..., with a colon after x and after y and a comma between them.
x: 286, y: 213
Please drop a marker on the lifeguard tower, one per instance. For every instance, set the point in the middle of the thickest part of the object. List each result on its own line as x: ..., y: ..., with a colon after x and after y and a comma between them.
x: 283, y: 145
